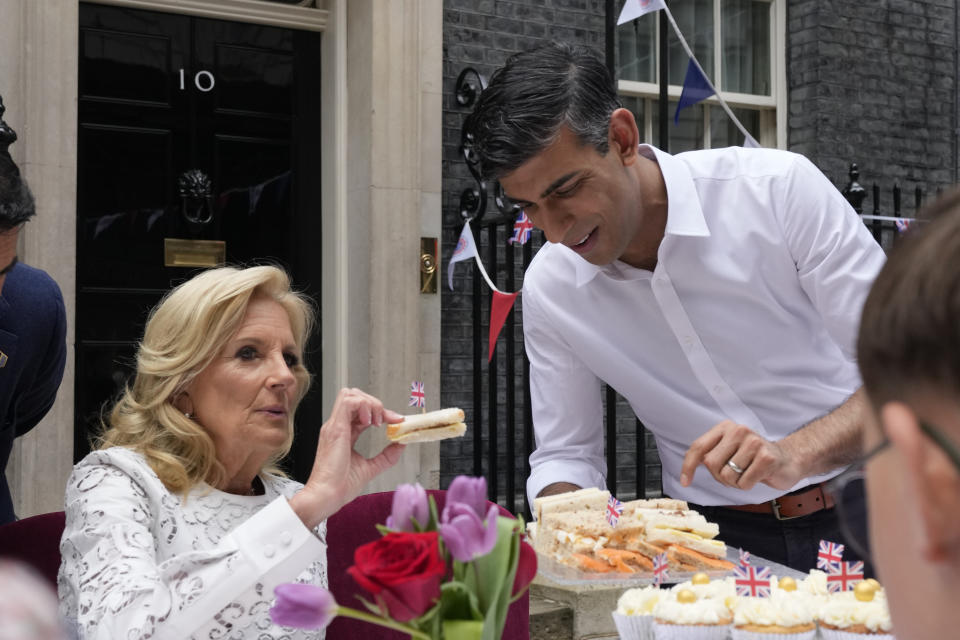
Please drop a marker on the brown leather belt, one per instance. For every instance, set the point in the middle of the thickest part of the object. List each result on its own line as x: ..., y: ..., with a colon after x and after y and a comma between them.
x: 793, y: 505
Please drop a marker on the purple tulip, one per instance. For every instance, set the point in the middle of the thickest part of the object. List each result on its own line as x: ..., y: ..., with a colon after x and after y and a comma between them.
x: 409, y: 504
x: 303, y: 606
x: 465, y: 534
x: 471, y: 492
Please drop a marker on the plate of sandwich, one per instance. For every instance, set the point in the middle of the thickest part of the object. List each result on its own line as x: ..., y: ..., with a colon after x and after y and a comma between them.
x: 576, y: 544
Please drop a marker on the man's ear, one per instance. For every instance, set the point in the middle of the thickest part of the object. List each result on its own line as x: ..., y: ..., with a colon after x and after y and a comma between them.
x: 624, y: 135
x: 933, y: 482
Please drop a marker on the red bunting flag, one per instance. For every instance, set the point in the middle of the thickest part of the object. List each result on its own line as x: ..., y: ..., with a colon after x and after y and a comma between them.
x: 500, y: 306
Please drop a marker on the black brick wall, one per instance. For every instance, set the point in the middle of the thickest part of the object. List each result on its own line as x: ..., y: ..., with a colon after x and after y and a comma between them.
x: 875, y: 83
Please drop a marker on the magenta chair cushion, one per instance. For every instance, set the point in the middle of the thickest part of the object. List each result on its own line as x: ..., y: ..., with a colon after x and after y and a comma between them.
x: 353, y: 526
x: 35, y: 541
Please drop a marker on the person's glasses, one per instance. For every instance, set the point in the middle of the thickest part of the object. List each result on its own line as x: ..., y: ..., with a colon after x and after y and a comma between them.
x: 848, y: 490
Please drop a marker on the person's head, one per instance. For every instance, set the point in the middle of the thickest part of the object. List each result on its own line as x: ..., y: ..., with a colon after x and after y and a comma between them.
x: 550, y: 128
x: 219, y: 373
x: 16, y: 201
x: 909, y: 357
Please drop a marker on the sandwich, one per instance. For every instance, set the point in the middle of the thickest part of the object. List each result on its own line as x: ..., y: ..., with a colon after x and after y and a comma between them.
x: 427, y: 427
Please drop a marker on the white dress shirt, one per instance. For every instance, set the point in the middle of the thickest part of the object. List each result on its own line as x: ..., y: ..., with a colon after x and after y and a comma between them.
x: 140, y: 562
x: 751, y: 314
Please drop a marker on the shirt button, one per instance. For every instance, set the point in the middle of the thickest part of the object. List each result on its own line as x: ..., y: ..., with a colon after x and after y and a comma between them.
x: 688, y: 340
x: 269, y: 550
x: 286, y: 538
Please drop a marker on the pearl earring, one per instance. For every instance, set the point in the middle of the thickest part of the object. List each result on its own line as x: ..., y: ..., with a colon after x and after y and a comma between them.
x: 187, y: 415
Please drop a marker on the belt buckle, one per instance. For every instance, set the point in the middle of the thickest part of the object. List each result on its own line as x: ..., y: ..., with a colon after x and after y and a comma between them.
x: 775, y: 507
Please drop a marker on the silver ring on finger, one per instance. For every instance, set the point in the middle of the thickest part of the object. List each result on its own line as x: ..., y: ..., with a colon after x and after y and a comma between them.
x: 733, y: 465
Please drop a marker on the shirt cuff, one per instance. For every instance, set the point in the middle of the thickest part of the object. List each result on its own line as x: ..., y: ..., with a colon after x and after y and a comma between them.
x: 573, y: 471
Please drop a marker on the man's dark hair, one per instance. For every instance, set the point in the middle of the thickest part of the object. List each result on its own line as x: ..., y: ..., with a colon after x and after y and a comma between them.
x: 532, y: 96
x: 909, y: 341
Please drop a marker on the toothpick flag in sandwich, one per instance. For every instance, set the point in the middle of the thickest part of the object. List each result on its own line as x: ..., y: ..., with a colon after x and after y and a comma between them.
x: 427, y: 427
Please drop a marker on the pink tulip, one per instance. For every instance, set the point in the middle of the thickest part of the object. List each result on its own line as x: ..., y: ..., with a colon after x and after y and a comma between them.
x: 465, y: 534
x: 303, y: 606
x: 409, y: 505
x: 471, y: 492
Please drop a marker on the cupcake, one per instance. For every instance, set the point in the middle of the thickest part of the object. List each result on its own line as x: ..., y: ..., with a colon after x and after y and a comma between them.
x: 724, y: 589
x: 681, y: 615
x: 786, y: 614
x: 634, y: 614
x: 856, y: 615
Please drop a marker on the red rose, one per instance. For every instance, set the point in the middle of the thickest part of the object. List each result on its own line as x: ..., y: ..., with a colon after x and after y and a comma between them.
x: 403, y: 572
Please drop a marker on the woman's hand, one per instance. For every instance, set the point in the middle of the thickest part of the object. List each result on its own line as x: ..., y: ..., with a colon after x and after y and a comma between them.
x: 339, y: 473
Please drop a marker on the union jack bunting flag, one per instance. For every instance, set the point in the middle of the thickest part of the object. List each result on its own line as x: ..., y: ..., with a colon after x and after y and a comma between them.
x: 660, y: 568
x: 521, y: 229
x: 844, y: 577
x: 614, y: 511
x: 744, y: 557
x: 752, y: 581
x: 829, y: 556
x: 417, y: 397
x: 902, y: 225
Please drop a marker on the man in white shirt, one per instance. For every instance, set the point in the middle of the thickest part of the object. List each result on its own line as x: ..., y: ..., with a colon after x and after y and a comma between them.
x: 718, y: 291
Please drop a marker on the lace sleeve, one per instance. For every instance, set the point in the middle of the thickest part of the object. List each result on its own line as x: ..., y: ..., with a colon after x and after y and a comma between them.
x: 115, y: 584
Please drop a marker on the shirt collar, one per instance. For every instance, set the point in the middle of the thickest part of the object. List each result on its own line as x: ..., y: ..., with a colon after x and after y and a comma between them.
x: 684, y: 213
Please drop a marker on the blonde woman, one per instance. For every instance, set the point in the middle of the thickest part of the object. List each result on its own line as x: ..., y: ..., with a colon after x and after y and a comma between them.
x: 179, y: 525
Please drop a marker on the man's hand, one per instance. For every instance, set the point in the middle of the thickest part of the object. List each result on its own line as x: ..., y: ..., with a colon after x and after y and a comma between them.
x: 558, y: 487
x: 761, y: 460
x: 817, y: 447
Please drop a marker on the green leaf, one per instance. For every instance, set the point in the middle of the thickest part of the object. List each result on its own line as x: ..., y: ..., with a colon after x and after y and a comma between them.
x: 494, y: 576
x: 457, y: 601
x: 462, y: 630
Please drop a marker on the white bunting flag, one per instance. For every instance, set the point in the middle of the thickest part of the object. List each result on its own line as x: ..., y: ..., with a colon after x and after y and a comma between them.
x: 633, y: 9
x: 465, y: 250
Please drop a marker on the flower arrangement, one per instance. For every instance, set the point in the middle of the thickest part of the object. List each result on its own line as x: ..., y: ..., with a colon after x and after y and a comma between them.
x: 451, y: 577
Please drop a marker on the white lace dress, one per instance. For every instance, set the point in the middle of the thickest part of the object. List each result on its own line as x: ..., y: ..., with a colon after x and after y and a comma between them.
x: 139, y: 562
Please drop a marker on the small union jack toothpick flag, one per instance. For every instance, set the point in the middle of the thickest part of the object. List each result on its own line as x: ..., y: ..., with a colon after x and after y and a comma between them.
x: 417, y: 397
x: 614, y: 511
x: 829, y: 556
x: 521, y: 229
x: 660, y: 568
x: 744, y: 557
x: 752, y: 581
x: 844, y: 576
x: 902, y: 225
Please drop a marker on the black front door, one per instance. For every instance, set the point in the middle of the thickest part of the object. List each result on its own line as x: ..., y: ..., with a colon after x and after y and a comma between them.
x: 194, y: 130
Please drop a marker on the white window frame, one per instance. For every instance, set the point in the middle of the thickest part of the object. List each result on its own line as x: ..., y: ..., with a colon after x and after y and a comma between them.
x: 772, y: 108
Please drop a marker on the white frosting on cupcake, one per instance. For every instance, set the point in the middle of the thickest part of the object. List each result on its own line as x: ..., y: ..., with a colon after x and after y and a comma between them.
x: 815, y: 583
x: 782, y: 608
x: 639, y: 601
x: 722, y: 589
x: 843, y: 610
x: 709, y: 611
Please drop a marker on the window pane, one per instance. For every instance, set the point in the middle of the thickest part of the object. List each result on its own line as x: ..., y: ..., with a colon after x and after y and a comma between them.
x: 695, y: 19
x: 724, y: 133
x: 745, y: 25
x: 636, y: 41
x: 688, y: 134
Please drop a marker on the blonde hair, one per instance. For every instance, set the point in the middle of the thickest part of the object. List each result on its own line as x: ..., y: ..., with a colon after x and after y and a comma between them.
x: 184, y: 332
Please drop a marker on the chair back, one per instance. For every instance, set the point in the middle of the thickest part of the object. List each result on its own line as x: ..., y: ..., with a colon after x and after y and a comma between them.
x: 353, y: 526
x: 36, y: 542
